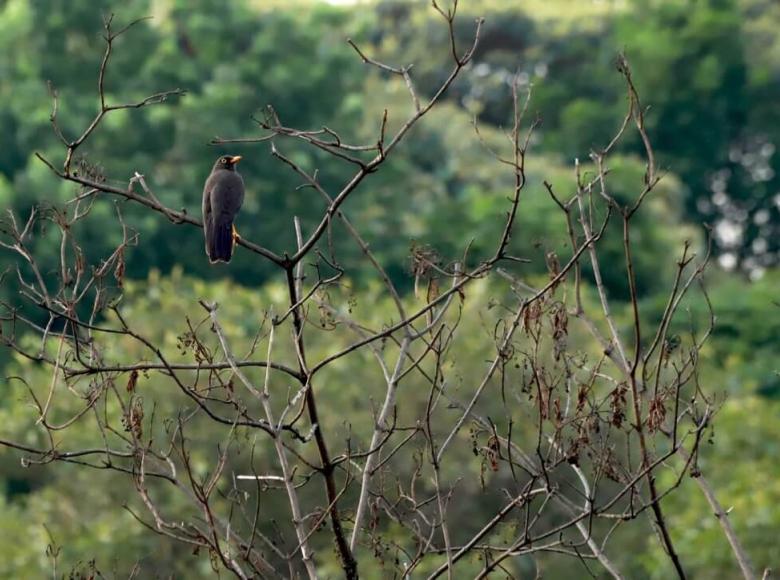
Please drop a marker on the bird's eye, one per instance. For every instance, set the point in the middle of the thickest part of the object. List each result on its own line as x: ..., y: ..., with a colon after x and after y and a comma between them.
x: 224, y: 160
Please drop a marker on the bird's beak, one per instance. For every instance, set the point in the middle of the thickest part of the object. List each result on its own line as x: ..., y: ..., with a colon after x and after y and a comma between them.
x: 235, y: 159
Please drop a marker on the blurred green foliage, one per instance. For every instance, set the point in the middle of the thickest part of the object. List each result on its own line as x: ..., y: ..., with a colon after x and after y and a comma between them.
x: 708, y: 70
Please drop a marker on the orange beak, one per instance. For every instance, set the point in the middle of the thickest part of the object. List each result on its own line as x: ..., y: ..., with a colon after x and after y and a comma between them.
x: 235, y: 159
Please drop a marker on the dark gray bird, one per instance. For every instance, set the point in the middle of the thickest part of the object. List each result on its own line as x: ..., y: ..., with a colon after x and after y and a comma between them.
x: 223, y: 195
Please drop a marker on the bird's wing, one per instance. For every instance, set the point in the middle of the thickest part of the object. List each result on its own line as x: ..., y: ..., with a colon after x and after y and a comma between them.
x: 207, y: 210
x: 207, y: 199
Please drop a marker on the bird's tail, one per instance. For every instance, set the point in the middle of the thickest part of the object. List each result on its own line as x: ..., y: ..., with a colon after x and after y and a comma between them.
x: 220, y: 246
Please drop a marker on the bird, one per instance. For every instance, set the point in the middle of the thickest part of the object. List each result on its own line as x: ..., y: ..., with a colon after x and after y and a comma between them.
x: 223, y: 195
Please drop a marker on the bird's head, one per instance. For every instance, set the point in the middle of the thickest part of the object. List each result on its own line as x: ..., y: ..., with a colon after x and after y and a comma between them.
x: 228, y: 162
